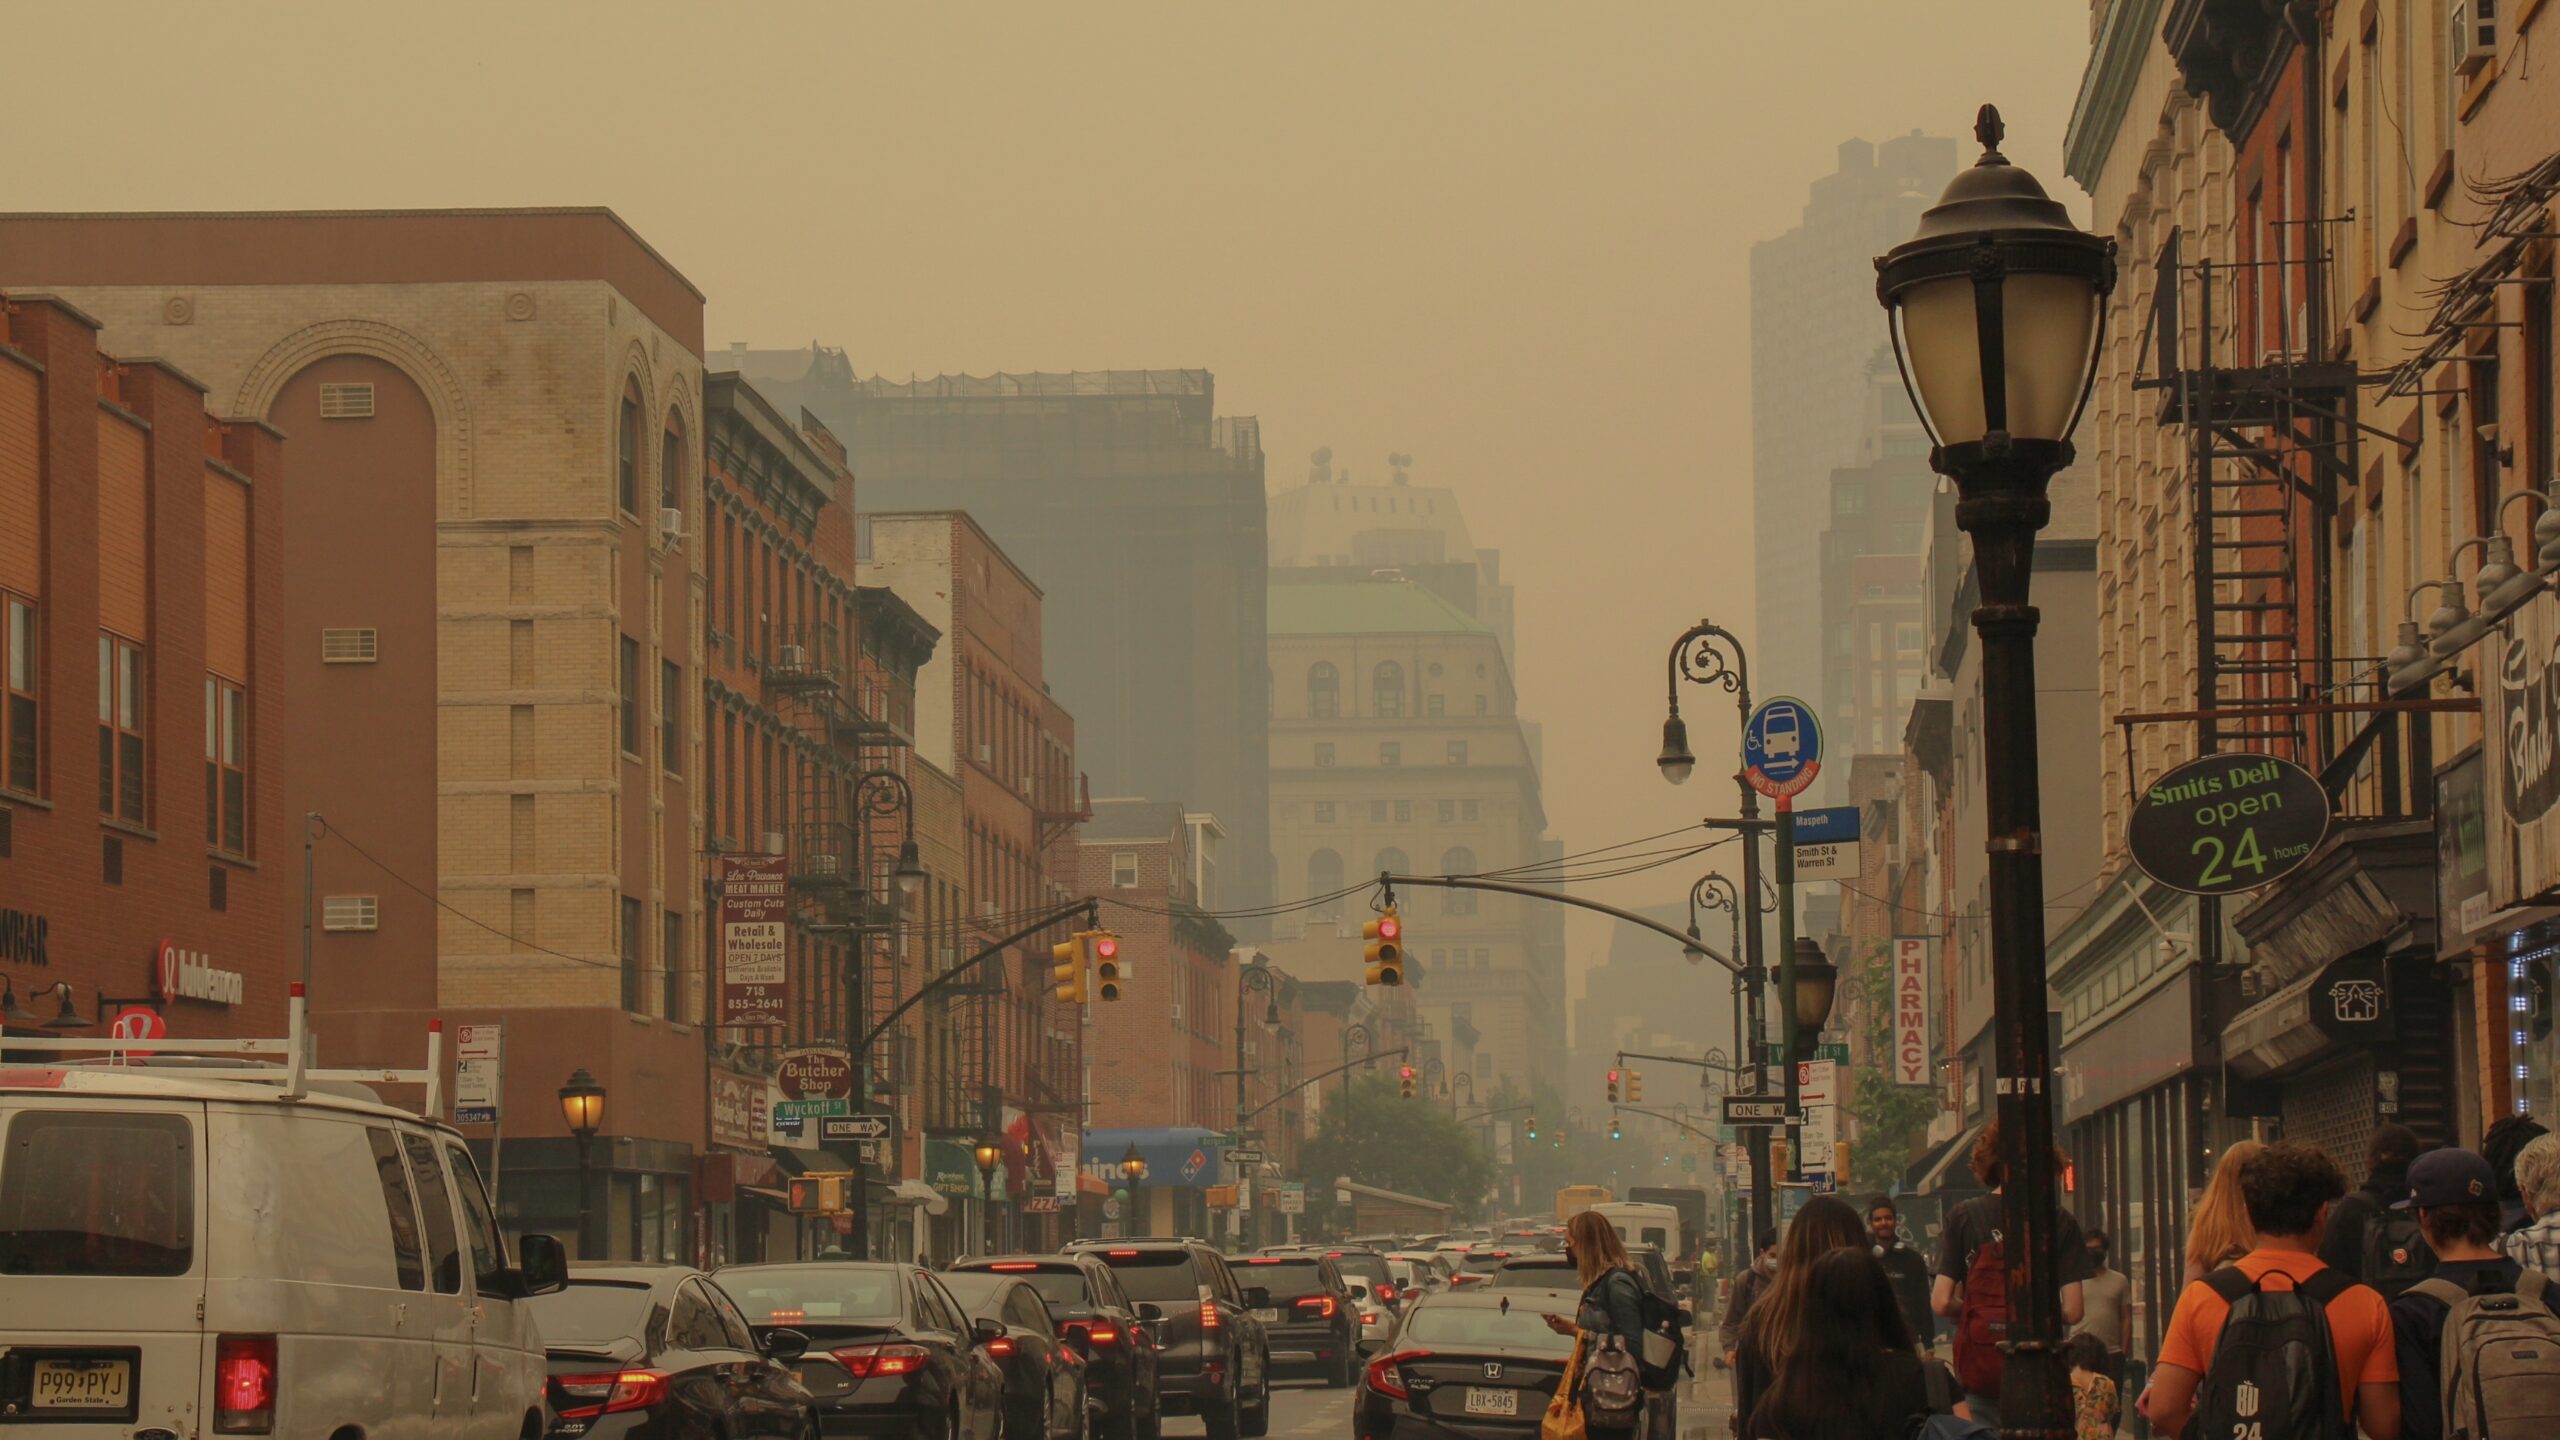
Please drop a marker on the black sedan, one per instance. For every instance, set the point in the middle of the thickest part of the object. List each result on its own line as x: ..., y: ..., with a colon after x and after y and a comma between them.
x: 892, y: 1356
x: 659, y: 1352
x: 1044, y: 1374
x: 1095, y: 1314
x: 1474, y: 1364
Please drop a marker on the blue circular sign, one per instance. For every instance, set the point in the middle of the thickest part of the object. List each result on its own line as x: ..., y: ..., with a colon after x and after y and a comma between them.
x: 1782, y: 747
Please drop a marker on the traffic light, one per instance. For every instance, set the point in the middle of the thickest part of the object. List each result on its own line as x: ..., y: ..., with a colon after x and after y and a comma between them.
x: 1385, y: 953
x: 1533, y: 1127
x: 819, y: 1193
x: 1613, y: 1129
x: 1404, y: 1081
x: 1613, y: 1087
x: 1635, y: 1086
x: 1109, y: 971
x: 1068, y: 969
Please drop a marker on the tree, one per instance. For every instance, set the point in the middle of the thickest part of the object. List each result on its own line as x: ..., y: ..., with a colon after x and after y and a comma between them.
x: 1372, y: 1135
x: 1893, y: 1120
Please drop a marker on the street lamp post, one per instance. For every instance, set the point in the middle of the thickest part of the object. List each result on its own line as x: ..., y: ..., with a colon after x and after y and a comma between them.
x: 1256, y: 976
x: 878, y: 795
x: 1709, y: 654
x: 582, y: 1107
x: 1133, y: 1168
x: 988, y: 1153
x: 1997, y: 310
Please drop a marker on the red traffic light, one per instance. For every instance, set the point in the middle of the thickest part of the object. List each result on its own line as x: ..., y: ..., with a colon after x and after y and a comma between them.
x: 1106, y: 947
x: 1404, y: 1072
x: 1390, y: 928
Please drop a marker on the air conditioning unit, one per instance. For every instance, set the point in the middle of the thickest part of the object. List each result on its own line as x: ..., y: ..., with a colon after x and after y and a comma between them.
x: 772, y: 843
x: 1177, y: 1012
x: 2473, y: 41
x: 820, y: 865
x: 986, y: 753
x: 671, y: 528
x: 1026, y: 784
x: 791, y: 657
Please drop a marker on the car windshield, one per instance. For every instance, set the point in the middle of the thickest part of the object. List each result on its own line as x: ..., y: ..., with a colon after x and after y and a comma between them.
x: 593, y: 1310
x: 1284, y: 1276
x: 1060, y: 1287
x: 1460, y: 1327
x: 1538, y: 1274
x: 1368, y: 1269
x: 1155, y: 1274
x: 1483, y: 1260
x: 798, y: 1294
x: 976, y: 1290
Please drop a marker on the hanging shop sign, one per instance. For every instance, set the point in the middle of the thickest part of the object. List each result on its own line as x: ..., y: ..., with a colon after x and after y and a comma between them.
x: 2349, y: 1002
x: 2521, y: 713
x: 2225, y: 824
x: 739, y: 1117
x: 815, y: 1074
x: 755, y: 963
x: 2462, y: 854
x: 1911, y: 972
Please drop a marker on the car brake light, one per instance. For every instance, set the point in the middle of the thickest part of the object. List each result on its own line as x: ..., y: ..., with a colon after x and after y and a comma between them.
x: 1369, y: 1317
x: 1321, y: 1304
x: 1385, y: 1378
x: 244, y: 1384
x: 1386, y: 1292
x: 1014, y: 1267
x: 1209, y: 1315
x: 868, y: 1362
x: 1102, y: 1334
x: 1000, y: 1346
x: 1121, y: 1254
x: 580, y: 1397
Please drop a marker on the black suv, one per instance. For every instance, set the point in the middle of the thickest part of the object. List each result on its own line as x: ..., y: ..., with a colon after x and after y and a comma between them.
x: 1212, y: 1357
x: 1097, y: 1316
x: 1312, y: 1321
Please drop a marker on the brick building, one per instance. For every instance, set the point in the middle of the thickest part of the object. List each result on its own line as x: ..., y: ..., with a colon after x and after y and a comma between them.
x: 489, y: 594
x: 140, y: 551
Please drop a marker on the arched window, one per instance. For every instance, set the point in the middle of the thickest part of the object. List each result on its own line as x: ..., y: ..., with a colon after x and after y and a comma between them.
x: 1392, y: 860
x: 1386, y: 689
x: 1324, y: 691
x: 1459, y: 860
x: 1324, y: 876
x: 626, y: 449
x: 671, y: 467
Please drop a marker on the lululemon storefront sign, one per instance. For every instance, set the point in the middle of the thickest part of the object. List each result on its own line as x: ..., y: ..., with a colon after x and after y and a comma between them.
x: 191, y: 975
x: 2228, y: 823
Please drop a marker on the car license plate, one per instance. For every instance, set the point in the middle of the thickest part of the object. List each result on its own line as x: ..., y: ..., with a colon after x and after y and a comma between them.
x: 82, y: 1384
x: 1267, y: 1316
x: 1481, y: 1401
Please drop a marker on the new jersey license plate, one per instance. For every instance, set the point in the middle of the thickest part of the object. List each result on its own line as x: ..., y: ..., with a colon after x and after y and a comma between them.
x: 1481, y: 1401
x: 81, y: 1384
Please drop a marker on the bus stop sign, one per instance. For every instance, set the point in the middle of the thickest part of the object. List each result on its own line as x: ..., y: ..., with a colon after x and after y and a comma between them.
x: 1781, y: 749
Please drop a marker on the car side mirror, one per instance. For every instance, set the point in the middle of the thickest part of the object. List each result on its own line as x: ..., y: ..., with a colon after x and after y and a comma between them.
x: 1150, y: 1310
x: 785, y: 1346
x: 543, y: 1264
x: 1256, y: 1297
x: 1359, y: 1292
x: 984, y: 1330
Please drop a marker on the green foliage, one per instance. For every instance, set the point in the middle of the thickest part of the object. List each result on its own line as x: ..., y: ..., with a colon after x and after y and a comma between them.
x: 1893, y: 1120
x: 1377, y: 1138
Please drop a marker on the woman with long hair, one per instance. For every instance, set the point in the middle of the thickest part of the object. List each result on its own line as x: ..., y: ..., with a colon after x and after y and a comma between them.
x: 2219, y: 1232
x: 1612, y: 1303
x: 1851, y: 1370
x: 1826, y: 1223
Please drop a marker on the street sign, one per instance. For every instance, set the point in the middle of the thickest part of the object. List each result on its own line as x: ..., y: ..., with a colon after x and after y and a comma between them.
x: 1781, y: 749
x: 1244, y: 1157
x: 868, y: 1152
x: 1827, y: 842
x: 806, y: 1109
x: 1290, y: 1198
x: 815, y: 1074
x: 1755, y: 1110
x: 2228, y: 823
x: 478, y: 1052
x: 1818, y: 1091
x: 835, y: 1128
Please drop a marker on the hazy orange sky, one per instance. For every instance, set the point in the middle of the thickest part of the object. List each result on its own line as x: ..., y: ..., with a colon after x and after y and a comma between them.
x: 1509, y: 238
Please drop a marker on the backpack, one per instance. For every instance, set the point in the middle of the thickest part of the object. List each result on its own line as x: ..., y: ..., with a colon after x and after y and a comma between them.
x: 2396, y: 1254
x: 1666, y: 1340
x: 1939, y: 1421
x: 1982, y: 1325
x: 2500, y: 1367
x: 1612, y: 1388
x: 2274, y: 1374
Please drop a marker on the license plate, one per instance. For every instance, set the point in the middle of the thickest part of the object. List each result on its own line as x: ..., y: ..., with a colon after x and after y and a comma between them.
x: 1492, y: 1402
x: 1266, y: 1315
x: 82, y: 1384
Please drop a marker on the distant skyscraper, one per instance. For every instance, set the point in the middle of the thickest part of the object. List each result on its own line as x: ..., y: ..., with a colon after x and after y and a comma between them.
x: 1814, y: 329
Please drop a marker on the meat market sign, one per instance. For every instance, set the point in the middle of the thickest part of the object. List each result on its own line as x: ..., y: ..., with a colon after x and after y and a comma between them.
x: 2228, y: 823
x: 815, y: 1075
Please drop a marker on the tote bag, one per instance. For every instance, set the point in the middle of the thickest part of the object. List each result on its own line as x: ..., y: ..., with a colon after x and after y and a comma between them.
x: 1563, y: 1419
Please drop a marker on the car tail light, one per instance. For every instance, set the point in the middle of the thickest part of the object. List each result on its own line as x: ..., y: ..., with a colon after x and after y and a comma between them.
x: 1387, y: 1379
x: 1098, y: 1333
x: 868, y: 1362
x: 244, y: 1384
x: 1386, y: 1292
x: 1209, y: 1315
x: 1369, y: 1317
x: 1014, y: 1267
x: 1000, y: 1346
x: 580, y: 1397
x: 1319, y: 1305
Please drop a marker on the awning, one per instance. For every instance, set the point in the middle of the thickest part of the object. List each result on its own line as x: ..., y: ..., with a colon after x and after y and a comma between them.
x: 770, y: 1197
x: 1928, y: 1174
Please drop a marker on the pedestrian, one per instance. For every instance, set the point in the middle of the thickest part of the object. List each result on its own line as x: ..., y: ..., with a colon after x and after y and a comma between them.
x: 2538, y: 1183
x: 1905, y: 1267
x: 2287, y: 1190
x: 2218, y: 1233
x: 2454, y: 1195
x: 1971, y: 1287
x: 2093, y: 1391
x: 2500, y: 1146
x: 1611, y: 1308
x: 2367, y: 1238
x: 1826, y: 1223
x: 1850, y: 1369
x: 1743, y: 1293
x: 2106, y: 1299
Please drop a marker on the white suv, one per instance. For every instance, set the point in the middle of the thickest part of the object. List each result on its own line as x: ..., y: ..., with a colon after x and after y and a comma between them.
x: 183, y: 1258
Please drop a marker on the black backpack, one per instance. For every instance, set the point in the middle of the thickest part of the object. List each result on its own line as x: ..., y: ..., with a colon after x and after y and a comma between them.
x: 1666, y: 1340
x: 2274, y: 1372
x: 2396, y: 1254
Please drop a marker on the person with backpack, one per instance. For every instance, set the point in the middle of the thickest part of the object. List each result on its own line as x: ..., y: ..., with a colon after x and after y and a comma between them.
x: 2479, y: 1340
x: 1906, y: 1267
x: 1972, y: 1283
x: 2241, y: 1336
x: 1608, y: 1326
x: 2370, y: 1241
x: 1851, y: 1369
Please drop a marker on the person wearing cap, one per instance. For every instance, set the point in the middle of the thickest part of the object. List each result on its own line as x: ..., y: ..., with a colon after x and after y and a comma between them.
x: 2455, y: 1193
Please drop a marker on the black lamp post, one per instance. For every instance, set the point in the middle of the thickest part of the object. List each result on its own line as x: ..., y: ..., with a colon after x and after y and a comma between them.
x: 988, y: 1153
x: 1133, y: 1168
x: 582, y: 1107
x: 1998, y: 308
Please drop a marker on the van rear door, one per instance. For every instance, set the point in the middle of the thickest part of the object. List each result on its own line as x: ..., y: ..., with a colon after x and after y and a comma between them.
x: 102, y: 1208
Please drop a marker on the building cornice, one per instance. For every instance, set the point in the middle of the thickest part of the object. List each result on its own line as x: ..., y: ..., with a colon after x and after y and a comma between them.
x: 2125, y: 37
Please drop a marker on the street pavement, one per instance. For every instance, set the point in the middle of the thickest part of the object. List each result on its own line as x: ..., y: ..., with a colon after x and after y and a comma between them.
x: 1305, y: 1410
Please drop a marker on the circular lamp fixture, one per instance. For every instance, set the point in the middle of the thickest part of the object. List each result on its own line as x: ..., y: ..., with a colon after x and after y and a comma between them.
x: 1816, y: 979
x: 909, y: 875
x: 1675, y: 760
x: 582, y: 1104
x: 988, y: 1153
x: 1133, y: 1165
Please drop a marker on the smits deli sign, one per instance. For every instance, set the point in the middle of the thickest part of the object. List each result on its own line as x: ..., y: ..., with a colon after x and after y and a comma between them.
x: 2228, y: 823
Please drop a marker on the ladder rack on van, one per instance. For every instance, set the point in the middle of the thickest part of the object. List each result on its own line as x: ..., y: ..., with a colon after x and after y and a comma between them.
x: 294, y: 1075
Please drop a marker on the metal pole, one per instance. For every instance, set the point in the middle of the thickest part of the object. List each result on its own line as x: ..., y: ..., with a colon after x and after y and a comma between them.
x: 1787, y: 982
x: 586, y: 1200
x: 1755, y: 986
x: 311, y: 822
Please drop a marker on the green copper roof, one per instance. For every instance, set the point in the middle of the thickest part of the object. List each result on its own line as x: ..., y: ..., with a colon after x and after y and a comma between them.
x: 1364, y: 607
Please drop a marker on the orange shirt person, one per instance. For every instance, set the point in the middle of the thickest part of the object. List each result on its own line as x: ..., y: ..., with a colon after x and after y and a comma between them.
x: 2288, y: 1189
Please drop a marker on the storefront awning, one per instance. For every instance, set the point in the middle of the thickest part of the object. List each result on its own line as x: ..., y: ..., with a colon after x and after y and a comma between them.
x: 1930, y: 1173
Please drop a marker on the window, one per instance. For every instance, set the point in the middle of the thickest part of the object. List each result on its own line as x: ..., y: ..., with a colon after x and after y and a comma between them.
x: 1470, y: 809
x: 693, y: 1324
x: 1324, y: 691
x: 626, y: 450
x: 632, y: 991
x: 1324, y: 754
x: 671, y: 964
x: 1459, y: 860
x: 347, y: 401
x: 1324, y: 877
x: 18, y: 767
x: 226, y: 765
x: 671, y: 707
x: 671, y: 465
x: 1457, y: 752
x: 97, y: 1194
x: 444, y: 1245
x: 349, y: 646
x: 120, y: 709
x: 406, y: 1260
x: 1435, y: 704
x: 630, y: 696
x: 1377, y: 812
x: 488, y: 1252
x: 1124, y: 869
x: 1448, y: 811
x: 1390, y: 752
x: 1404, y: 812
x: 1386, y: 689
x: 1324, y: 812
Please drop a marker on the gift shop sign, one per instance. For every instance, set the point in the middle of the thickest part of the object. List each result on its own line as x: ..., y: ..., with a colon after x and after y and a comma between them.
x: 754, y: 957
x: 191, y: 975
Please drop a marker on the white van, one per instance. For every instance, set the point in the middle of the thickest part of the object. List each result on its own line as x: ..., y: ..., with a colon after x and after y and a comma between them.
x: 1643, y: 1223
x: 183, y: 1258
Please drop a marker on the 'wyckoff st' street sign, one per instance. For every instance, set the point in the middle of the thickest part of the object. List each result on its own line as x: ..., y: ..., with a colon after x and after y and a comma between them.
x: 2228, y: 823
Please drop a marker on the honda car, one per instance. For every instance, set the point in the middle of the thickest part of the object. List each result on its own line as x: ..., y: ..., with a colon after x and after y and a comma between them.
x: 1475, y: 1364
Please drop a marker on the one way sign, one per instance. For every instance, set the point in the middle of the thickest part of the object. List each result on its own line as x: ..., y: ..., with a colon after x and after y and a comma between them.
x: 836, y: 1128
